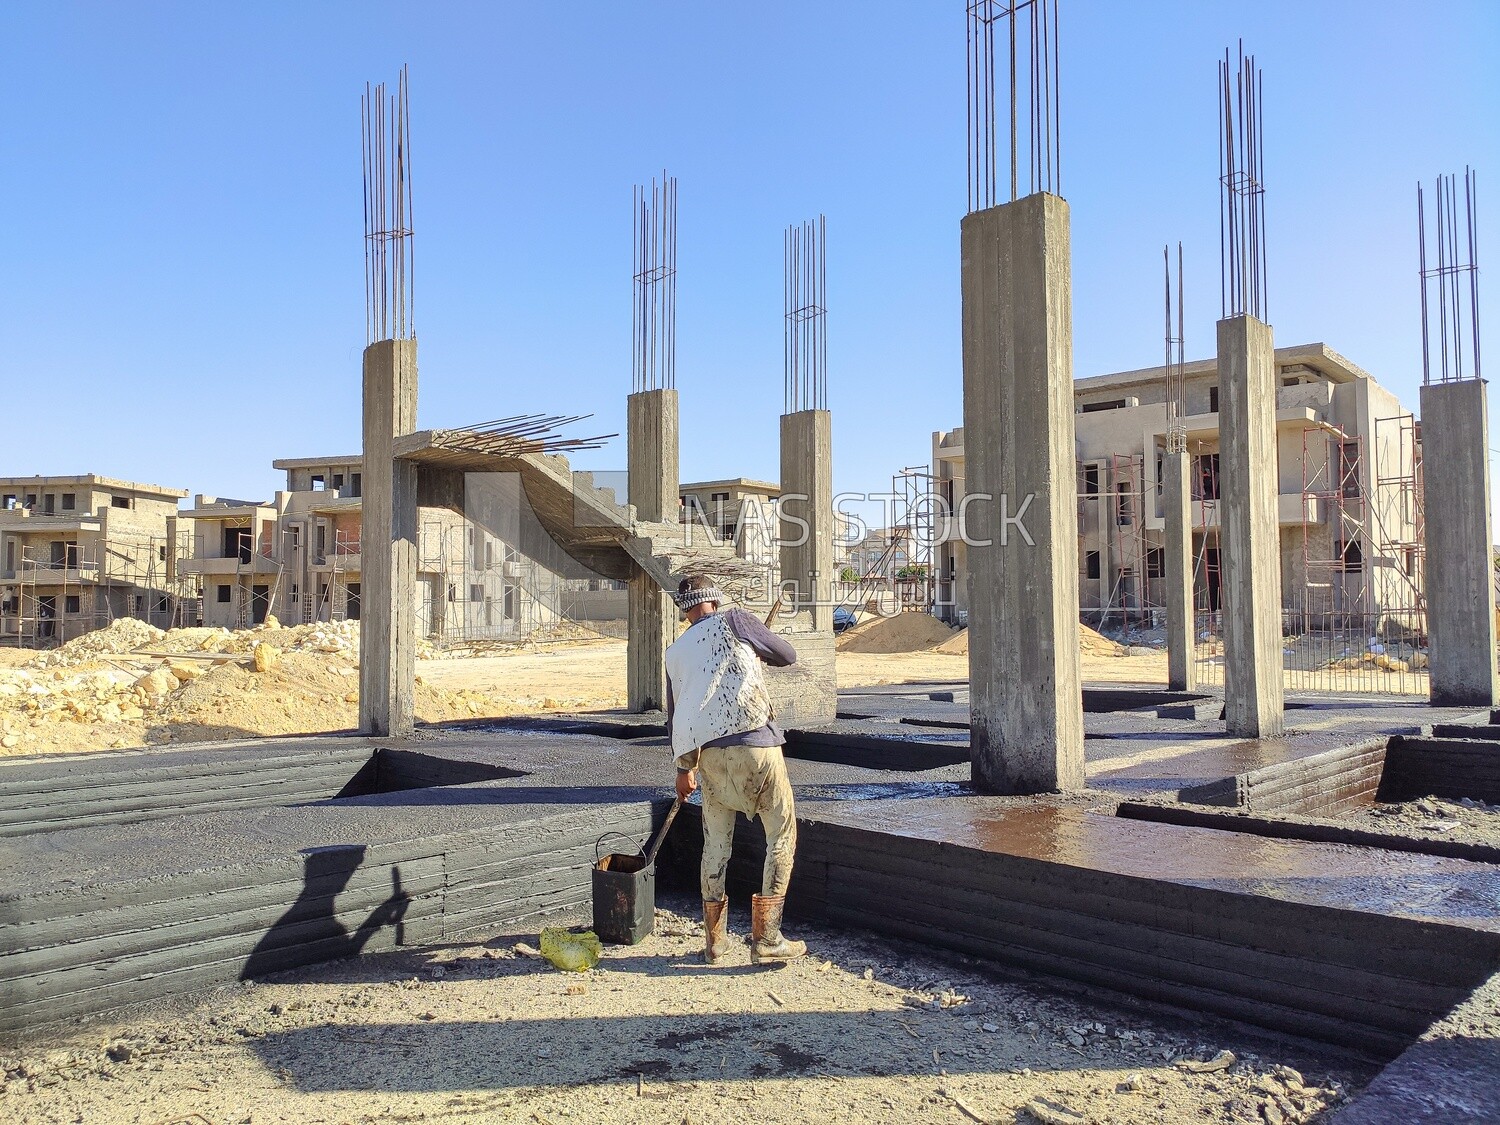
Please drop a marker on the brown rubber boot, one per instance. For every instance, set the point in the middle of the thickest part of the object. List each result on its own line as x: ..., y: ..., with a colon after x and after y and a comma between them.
x: 766, y: 940
x: 715, y: 929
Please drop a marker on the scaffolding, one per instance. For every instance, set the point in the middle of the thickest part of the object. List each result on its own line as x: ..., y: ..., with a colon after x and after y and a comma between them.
x: 64, y: 589
x: 1367, y: 566
x: 1129, y: 558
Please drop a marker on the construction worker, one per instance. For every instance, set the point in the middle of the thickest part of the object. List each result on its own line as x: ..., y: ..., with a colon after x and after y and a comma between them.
x: 724, y: 738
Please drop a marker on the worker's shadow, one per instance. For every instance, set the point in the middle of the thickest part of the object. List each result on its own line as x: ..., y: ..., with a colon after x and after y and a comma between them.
x: 310, y: 929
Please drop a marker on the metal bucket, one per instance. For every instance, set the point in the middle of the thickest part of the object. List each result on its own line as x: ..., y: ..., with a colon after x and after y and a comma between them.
x: 624, y: 895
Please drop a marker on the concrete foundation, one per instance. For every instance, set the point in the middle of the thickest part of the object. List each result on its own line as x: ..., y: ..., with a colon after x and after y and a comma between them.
x: 1249, y: 533
x: 388, y: 628
x: 1022, y: 525
x: 1460, y: 576
x: 807, y: 496
x: 1177, y: 499
x: 651, y: 443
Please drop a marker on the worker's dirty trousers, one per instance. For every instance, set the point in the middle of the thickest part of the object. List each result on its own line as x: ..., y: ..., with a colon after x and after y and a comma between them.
x: 750, y: 780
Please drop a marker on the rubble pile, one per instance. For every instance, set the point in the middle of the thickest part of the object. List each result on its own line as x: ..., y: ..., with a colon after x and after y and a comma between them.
x: 124, y: 635
x: 131, y: 684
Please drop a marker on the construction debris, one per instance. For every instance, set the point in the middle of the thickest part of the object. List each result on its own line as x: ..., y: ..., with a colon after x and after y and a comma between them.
x: 132, y: 684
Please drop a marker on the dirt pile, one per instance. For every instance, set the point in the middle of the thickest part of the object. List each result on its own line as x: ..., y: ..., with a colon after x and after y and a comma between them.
x: 902, y: 632
x: 120, y: 636
x: 1090, y: 643
x: 131, y: 684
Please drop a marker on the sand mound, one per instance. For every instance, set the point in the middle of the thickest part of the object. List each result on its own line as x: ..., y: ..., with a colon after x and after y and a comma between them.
x: 905, y: 632
x: 1090, y: 643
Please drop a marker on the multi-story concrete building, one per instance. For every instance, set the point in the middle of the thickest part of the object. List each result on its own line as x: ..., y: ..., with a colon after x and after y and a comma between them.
x: 299, y: 556
x: 739, y: 509
x: 1348, y: 474
x: 77, y: 552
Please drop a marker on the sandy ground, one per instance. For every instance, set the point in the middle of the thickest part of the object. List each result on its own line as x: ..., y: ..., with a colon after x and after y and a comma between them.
x: 311, y: 692
x: 863, y: 1030
x: 868, y: 669
x: 588, y: 676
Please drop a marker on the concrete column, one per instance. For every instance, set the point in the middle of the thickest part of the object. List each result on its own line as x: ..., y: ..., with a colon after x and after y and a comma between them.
x: 1026, y: 706
x: 388, y: 634
x: 651, y: 453
x: 1460, y: 576
x: 1177, y: 500
x: 1249, y: 532
x: 805, y: 511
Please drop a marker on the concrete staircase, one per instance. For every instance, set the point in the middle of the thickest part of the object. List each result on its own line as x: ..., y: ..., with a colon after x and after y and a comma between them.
x: 585, y: 519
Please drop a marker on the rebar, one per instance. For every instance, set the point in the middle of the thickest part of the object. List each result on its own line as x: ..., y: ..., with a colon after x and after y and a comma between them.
x: 654, y: 286
x: 1456, y: 279
x: 385, y: 142
x: 1242, y: 193
x: 805, y: 293
x: 521, y: 433
x: 1175, y: 361
x: 1043, y: 145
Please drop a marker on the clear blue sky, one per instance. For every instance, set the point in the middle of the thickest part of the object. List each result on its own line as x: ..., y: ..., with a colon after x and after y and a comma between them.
x: 182, y: 270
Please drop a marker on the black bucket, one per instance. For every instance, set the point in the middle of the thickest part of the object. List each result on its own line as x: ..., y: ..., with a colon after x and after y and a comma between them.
x: 624, y: 895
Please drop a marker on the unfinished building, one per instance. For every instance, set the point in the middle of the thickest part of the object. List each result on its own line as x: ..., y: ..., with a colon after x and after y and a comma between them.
x: 1348, y: 484
x: 77, y: 552
x: 299, y: 557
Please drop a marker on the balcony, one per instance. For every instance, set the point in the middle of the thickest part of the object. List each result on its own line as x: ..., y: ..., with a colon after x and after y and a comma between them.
x: 258, y: 564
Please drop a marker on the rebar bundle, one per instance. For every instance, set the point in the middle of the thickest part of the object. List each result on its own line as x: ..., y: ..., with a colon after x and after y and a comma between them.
x: 1456, y: 279
x: 522, y: 433
x: 1242, y: 192
x: 1033, y: 61
x: 386, y: 148
x: 1175, y: 369
x: 654, y: 286
x: 805, y: 292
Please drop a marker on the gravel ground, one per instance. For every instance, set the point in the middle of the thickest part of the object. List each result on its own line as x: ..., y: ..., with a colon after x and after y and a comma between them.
x: 862, y: 1030
x: 1438, y: 818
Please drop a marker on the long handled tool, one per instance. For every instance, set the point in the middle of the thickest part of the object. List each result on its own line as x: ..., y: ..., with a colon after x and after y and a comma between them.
x: 661, y: 836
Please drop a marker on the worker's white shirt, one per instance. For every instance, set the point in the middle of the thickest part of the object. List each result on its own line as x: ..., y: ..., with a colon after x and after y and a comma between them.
x: 718, y: 688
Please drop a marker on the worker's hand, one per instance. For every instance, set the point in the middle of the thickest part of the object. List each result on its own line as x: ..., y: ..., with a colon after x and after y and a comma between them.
x: 687, y: 784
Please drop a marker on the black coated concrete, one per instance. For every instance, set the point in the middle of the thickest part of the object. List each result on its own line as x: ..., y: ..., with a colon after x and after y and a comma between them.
x: 134, y: 875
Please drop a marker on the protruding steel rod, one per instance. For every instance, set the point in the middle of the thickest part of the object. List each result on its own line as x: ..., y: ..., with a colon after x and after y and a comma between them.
x: 1175, y: 371
x: 1457, y: 345
x: 654, y: 286
x: 805, y: 293
x: 385, y: 143
x: 1242, y: 242
x: 1039, y: 58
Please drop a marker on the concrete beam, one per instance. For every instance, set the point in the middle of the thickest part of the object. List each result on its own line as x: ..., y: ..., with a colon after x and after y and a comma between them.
x: 388, y: 628
x: 1182, y: 674
x: 1459, y: 571
x: 1249, y: 534
x: 651, y: 453
x: 805, y: 511
x: 1026, y: 706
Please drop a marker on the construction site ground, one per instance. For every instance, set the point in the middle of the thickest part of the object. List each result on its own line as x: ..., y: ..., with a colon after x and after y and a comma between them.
x: 864, y: 1029
x: 133, y: 686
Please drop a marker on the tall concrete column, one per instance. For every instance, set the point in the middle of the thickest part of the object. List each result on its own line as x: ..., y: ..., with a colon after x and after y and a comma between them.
x: 651, y: 453
x: 1177, y: 500
x: 388, y: 628
x: 1249, y: 531
x: 1460, y: 575
x: 805, y: 511
x: 1026, y: 702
